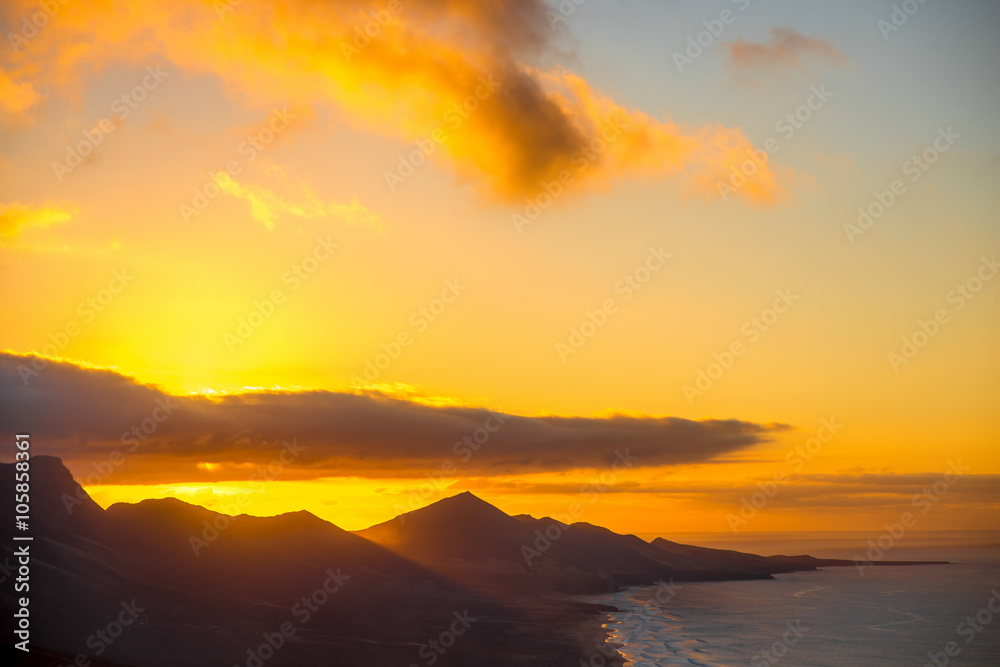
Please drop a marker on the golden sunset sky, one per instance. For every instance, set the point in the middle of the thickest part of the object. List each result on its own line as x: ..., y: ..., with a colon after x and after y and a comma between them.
x: 369, y: 228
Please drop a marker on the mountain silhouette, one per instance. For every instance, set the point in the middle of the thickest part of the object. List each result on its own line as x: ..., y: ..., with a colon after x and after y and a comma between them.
x: 484, y: 548
x: 210, y: 607
x: 462, y: 527
x: 213, y: 588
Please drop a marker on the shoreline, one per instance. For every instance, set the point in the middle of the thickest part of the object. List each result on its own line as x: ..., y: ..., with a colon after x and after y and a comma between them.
x: 635, y: 638
x: 595, y: 637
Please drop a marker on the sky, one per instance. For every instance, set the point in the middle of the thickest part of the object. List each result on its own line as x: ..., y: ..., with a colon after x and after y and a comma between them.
x: 700, y: 266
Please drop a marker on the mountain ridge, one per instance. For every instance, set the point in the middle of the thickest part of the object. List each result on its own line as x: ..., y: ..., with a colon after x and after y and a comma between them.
x: 212, y: 584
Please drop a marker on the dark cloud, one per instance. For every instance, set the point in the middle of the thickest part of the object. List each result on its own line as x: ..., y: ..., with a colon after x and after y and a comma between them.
x: 83, y: 415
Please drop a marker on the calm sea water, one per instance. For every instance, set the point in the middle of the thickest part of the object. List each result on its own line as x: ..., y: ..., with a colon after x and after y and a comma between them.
x: 890, y: 616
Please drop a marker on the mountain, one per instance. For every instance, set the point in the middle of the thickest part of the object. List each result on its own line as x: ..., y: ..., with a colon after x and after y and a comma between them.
x: 344, y: 599
x: 751, y: 563
x: 459, y: 582
x: 487, y: 549
x: 60, y: 501
x: 462, y: 528
x: 42, y: 657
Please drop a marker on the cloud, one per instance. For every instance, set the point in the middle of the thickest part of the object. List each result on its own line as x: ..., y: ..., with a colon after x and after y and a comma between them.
x: 266, y: 206
x: 842, y: 492
x: 787, y: 51
x: 15, y: 98
x: 17, y: 217
x: 464, y: 68
x: 84, y: 414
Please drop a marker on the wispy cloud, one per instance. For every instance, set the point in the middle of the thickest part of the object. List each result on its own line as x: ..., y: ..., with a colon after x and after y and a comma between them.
x: 17, y: 217
x: 836, y: 492
x: 267, y: 207
x: 16, y: 98
x: 787, y: 51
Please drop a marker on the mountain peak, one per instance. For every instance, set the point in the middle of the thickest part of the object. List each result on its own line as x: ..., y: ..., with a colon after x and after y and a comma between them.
x: 465, y: 505
x: 57, y: 499
x: 460, y: 526
x: 467, y: 497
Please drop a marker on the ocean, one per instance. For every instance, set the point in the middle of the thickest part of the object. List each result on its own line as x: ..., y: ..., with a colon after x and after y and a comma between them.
x: 927, y: 615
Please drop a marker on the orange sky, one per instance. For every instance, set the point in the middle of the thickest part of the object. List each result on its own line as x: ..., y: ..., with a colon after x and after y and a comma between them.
x: 274, y: 221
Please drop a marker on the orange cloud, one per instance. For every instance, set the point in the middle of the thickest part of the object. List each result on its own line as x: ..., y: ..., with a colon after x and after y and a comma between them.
x: 266, y: 206
x: 458, y: 66
x: 16, y: 217
x: 15, y: 98
x: 786, y: 51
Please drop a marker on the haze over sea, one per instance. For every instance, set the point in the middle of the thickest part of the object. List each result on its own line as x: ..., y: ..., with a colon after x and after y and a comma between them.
x: 836, y: 617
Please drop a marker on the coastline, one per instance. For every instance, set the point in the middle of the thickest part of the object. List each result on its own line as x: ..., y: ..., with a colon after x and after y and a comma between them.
x: 595, y: 637
x: 620, y: 621
x: 897, y: 613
